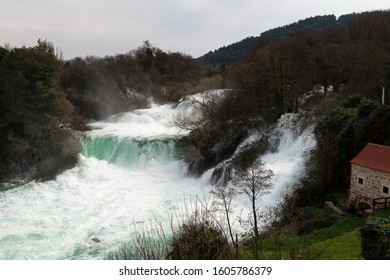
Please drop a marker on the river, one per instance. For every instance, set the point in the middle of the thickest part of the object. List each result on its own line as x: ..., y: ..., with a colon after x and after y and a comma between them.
x: 127, y: 176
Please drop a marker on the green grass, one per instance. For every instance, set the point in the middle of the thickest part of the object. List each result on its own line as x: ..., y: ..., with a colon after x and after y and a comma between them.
x: 343, y: 247
x: 341, y: 241
x: 380, y: 214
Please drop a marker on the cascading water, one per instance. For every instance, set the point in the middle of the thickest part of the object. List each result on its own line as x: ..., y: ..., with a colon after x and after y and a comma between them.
x: 293, y: 140
x: 290, y: 139
x: 127, y: 175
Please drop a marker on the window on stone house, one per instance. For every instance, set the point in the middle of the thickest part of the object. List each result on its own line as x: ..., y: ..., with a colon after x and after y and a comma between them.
x: 385, y: 190
x: 360, y: 181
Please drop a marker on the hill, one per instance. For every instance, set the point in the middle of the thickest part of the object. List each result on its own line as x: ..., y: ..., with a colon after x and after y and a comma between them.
x: 237, y: 51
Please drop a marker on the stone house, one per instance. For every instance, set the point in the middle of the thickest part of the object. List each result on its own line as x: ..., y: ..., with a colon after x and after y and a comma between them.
x: 370, y: 177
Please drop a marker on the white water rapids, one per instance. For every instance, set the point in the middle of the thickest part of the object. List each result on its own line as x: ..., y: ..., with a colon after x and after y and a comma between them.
x: 127, y: 175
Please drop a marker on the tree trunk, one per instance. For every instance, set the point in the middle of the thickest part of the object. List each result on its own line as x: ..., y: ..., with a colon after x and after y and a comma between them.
x: 255, y: 228
x: 229, y: 226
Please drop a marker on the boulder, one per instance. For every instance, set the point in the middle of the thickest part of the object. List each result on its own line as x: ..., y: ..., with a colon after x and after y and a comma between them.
x: 328, y: 205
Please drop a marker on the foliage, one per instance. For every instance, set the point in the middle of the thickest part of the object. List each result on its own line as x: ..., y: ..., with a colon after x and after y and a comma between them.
x: 375, y: 239
x: 194, y: 235
x: 237, y: 51
x: 34, y: 111
x: 316, y: 223
x: 174, y: 73
x: 196, y: 240
x: 274, y: 75
x: 343, y: 132
x: 208, y: 83
x: 228, y: 54
x: 311, y: 23
x: 99, y: 87
x: 29, y: 88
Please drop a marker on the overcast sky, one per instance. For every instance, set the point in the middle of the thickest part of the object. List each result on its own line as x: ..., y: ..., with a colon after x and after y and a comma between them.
x: 194, y: 27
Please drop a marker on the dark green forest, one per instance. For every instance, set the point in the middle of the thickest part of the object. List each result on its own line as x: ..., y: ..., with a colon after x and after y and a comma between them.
x: 237, y: 51
x: 34, y: 110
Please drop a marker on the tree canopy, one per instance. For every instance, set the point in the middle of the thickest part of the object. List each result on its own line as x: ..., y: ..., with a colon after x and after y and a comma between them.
x: 32, y: 108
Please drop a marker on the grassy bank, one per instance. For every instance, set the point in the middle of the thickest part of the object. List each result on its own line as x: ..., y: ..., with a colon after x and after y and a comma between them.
x: 339, y: 241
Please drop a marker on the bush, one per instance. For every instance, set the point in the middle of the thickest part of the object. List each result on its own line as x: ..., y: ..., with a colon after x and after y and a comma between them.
x: 198, y: 240
x: 194, y: 236
x: 316, y: 223
x: 375, y: 239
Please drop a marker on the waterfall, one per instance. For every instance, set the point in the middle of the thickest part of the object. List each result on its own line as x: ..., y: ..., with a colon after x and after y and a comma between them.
x: 294, y: 138
x: 288, y: 142
x: 128, y: 174
x: 129, y: 151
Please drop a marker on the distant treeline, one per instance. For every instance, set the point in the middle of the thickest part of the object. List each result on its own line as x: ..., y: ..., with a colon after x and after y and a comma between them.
x: 100, y: 87
x: 238, y: 51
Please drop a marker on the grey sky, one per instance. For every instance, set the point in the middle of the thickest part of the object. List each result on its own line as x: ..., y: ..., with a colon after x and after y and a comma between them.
x: 107, y: 27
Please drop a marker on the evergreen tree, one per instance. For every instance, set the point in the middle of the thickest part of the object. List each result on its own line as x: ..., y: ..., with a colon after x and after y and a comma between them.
x: 29, y: 87
x: 32, y: 106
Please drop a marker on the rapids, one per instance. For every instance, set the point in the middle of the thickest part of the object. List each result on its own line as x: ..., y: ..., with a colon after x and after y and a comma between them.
x: 128, y: 174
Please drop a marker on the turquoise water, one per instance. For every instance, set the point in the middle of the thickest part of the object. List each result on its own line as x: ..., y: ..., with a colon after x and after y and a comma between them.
x: 129, y: 151
x: 128, y: 175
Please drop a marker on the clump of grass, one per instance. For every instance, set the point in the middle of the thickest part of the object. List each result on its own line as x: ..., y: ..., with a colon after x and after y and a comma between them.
x: 195, y: 235
x: 146, y: 244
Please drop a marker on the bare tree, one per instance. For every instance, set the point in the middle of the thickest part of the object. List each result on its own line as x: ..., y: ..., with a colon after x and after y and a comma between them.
x: 224, y: 194
x: 254, y: 182
x: 189, y: 122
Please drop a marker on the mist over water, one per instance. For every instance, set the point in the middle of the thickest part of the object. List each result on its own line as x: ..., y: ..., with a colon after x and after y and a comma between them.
x: 288, y: 161
x: 128, y: 174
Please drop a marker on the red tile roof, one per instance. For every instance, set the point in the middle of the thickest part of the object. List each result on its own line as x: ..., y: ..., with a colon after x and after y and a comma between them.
x: 374, y: 156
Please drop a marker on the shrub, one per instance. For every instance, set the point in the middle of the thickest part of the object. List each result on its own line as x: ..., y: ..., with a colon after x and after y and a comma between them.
x: 316, y: 223
x: 198, y: 240
x: 375, y: 239
x: 195, y: 236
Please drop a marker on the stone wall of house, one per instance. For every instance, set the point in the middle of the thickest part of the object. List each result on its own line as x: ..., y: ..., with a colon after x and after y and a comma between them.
x: 372, y: 187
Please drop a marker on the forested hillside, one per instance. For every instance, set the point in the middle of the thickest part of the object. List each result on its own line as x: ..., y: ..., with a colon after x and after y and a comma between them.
x: 237, y: 51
